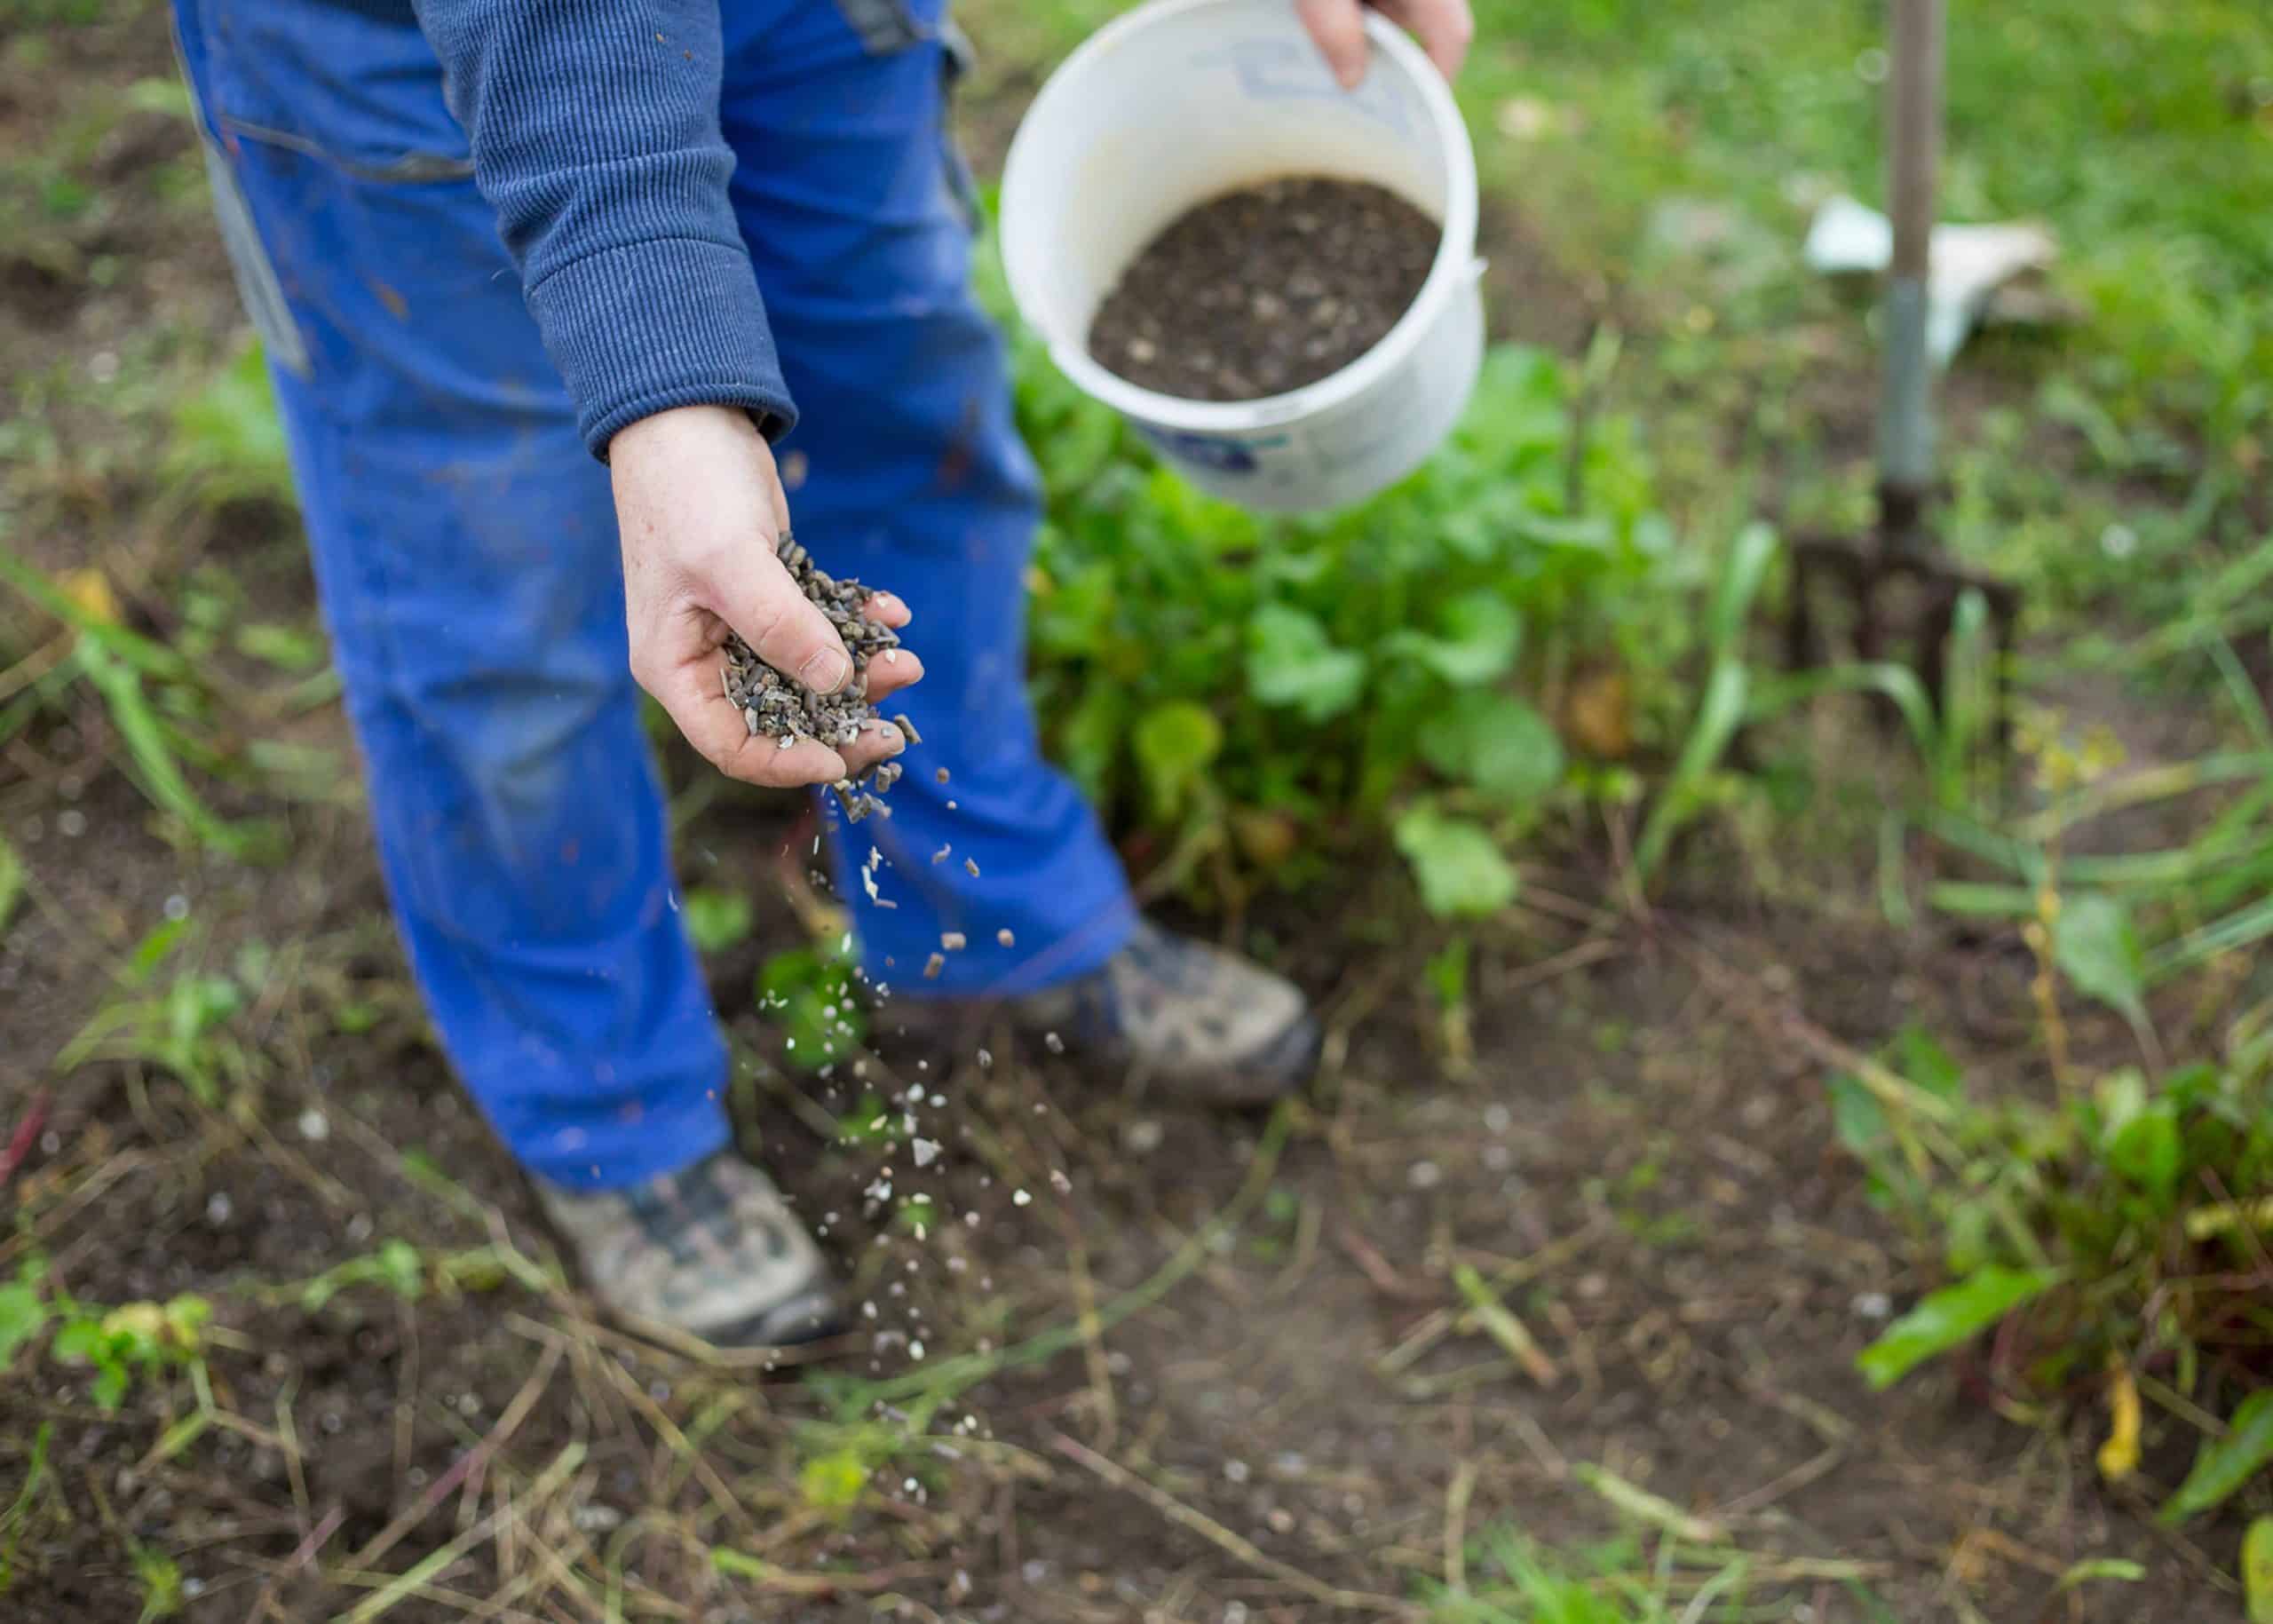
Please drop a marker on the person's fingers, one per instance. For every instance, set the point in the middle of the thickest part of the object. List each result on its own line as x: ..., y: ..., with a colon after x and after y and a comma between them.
x: 748, y: 588
x: 891, y: 671
x: 689, y: 694
x: 1445, y: 28
x: 887, y: 609
x: 1338, y: 29
x: 878, y: 741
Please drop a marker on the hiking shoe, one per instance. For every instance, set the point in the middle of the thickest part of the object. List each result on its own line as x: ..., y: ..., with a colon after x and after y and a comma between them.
x: 1198, y: 1022
x: 711, y: 1250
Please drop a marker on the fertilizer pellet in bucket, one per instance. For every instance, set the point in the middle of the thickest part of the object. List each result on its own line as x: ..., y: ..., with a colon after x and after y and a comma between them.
x: 1265, y: 290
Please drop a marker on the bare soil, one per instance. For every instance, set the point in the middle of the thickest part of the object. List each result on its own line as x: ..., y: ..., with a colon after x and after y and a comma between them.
x: 1265, y: 290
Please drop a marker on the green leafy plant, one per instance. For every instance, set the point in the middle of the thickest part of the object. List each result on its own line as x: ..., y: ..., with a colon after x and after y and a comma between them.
x: 160, y: 1577
x: 1511, y: 1579
x: 1256, y: 692
x: 135, y: 1338
x: 397, y: 1264
x: 23, y: 1313
x: 807, y: 996
x: 2097, y: 1237
x: 717, y: 919
x: 156, y: 700
x: 182, y: 1028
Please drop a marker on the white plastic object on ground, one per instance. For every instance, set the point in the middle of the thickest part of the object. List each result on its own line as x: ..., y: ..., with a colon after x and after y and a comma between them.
x: 1969, y: 263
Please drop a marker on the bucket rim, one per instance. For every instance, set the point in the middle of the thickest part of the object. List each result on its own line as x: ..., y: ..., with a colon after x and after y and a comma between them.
x: 1454, y: 268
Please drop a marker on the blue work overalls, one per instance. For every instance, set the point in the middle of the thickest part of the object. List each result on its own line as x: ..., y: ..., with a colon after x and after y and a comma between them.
x: 465, y: 548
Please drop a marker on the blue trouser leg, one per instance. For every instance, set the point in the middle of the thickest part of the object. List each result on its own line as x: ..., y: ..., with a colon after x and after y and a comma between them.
x: 465, y: 553
x: 911, y: 477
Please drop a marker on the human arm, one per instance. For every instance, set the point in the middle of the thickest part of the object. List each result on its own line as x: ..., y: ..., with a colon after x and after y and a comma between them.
x: 594, y: 128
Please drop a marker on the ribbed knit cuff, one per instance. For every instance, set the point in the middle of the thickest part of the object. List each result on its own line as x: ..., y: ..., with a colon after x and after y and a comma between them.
x: 669, y: 321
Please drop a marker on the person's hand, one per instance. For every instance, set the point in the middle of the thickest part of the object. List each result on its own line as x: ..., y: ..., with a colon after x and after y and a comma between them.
x: 1443, y: 27
x: 700, y: 504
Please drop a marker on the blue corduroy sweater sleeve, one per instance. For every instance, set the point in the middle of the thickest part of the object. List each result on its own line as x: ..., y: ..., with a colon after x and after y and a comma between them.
x: 595, y: 131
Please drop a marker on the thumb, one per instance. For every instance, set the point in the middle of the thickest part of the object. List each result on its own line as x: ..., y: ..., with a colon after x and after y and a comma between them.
x: 753, y: 593
x: 1338, y: 29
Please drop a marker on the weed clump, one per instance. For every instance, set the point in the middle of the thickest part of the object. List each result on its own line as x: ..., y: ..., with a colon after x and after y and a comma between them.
x: 780, y: 707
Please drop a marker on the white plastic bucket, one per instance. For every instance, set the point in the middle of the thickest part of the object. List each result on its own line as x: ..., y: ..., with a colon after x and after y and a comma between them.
x: 1183, y: 100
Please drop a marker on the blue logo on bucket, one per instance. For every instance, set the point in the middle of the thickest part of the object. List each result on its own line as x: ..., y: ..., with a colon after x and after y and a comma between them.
x: 1210, y: 450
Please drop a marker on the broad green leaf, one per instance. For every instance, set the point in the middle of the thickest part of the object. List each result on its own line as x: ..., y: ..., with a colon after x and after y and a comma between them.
x: 808, y: 995
x: 2095, y: 946
x: 1478, y: 634
x: 1291, y: 661
x: 1497, y: 743
x: 151, y: 951
x: 1446, y: 973
x: 1460, y: 871
x: 1949, y: 1318
x: 1174, y: 744
x: 197, y: 1004
x: 1089, y: 742
x: 81, y: 1339
x: 22, y: 1317
x: 717, y: 919
x: 110, y: 1387
x: 186, y: 1317
x: 2224, y: 1464
x: 1920, y: 1057
x: 1857, y: 1120
x: 2118, y: 1097
x: 2257, y: 1569
x: 1071, y: 617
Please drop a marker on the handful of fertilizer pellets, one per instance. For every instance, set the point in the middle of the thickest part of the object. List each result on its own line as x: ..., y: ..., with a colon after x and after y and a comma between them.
x: 781, y: 707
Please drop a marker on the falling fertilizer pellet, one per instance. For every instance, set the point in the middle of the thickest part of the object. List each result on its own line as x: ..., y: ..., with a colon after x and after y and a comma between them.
x: 932, y: 966
x: 941, y: 775
x: 970, y: 865
x: 1006, y: 938
x: 1020, y: 1199
x: 954, y: 941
